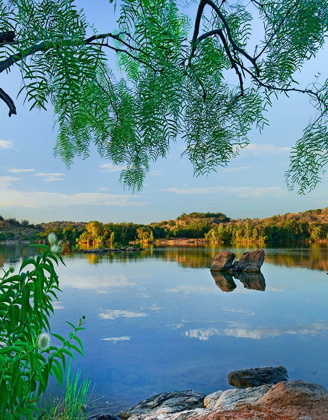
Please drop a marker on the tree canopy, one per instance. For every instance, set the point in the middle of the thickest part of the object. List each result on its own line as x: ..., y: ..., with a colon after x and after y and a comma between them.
x: 174, y: 78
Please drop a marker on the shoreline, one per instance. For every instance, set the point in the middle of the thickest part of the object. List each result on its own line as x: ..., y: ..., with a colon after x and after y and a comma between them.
x: 259, y: 394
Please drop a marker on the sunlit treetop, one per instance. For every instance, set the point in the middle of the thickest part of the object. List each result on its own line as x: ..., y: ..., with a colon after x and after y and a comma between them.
x: 173, y: 78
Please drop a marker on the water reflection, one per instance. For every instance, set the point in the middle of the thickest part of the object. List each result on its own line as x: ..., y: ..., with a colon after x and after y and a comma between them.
x: 252, y: 281
x: 244, y: 331
x: 224, y: 281
x: 12, y: 253
x: 312, y: 256
x: 156, y: 320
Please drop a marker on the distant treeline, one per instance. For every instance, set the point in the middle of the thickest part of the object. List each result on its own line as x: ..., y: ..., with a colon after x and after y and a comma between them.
x: 309, y: 226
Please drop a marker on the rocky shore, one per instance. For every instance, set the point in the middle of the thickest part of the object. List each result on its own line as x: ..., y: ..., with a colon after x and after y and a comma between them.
x: 181, y: 241
x: 260, y: 394
x: 106, y: 250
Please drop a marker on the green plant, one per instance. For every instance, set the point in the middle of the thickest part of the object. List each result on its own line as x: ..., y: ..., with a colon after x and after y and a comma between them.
x: 27, y: 357
x: 72, y: 405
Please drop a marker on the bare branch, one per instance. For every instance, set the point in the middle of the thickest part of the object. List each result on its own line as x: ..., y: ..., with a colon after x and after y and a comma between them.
x: 9, y: 102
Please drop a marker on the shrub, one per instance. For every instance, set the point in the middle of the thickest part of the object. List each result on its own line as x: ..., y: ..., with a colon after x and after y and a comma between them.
x: 27, y: 357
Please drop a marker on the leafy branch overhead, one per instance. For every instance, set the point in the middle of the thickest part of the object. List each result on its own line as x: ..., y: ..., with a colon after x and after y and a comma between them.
x: 174, y: 78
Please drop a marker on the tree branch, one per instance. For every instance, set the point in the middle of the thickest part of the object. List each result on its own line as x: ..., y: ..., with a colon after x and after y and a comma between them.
x: 46, y: 45
x: 9, y: 102
x: 276, y: 31
x: 261, y: 6
x: 7, y: 37
x: 284, y: 90
x: 231, y: 40
x: 129, y: 54
x: 233, y: 62
x: 195, y: 39
x: 196, y: 30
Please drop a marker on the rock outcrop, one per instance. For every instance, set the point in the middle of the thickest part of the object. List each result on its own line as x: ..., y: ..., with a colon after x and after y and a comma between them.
x: 247, y: 270
x: 223, y: 261
x: 164, y: 405
x: 246, y: 378
x: 294, y: 400
x: 250, y: 261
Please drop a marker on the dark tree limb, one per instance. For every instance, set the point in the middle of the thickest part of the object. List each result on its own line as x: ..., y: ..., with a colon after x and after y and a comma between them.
x: 231, y: 40
x: 7, y: 37
x: 200, y: 10
x: 284, y: 90
x: 113, y: 36
x: 8, y: 101
x: 195, y: 39
x: 47, y: 45
x: 261, y: 6
x: 129, y: 54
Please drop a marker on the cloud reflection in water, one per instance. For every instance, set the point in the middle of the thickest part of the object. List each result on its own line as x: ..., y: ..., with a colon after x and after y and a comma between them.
x: 116, y: 313
x: 204, y: 334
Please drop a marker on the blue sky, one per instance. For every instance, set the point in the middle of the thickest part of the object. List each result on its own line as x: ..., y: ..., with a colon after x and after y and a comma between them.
x: 37, y: 186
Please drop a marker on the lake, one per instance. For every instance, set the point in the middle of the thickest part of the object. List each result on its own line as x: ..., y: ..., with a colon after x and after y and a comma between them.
x: 158, y: 321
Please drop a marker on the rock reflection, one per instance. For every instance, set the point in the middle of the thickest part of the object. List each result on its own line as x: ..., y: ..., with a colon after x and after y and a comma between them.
x: 252, y: 281
x: 224, y: 281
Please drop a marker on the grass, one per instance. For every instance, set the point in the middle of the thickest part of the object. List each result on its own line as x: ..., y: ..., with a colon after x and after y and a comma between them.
x: 73, y: 403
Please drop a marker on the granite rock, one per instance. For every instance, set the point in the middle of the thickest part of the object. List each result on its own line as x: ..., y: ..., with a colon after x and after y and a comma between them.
x: 223, y: 261
x: 245, y: 378
x: 250, y: 261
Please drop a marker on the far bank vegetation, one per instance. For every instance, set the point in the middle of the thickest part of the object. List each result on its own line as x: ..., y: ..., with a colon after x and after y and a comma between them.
x: 308, y: 226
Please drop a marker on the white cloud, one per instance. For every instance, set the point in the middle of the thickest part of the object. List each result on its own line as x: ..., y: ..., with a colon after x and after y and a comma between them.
x: 238, y: 191
x: 49, y: 177
x: 103, y: 189
x: 236, y: 169
x: 154, y: 307
x: 20, y: 171
x: 5, y: 144
x: 39, y: 199
x: 109, y: 167
x: 116, y: 339
x: 116, y: 313
x: 156, y: 173
x: 58, y: 305
x: 5, y: 181
x: 257, y: 149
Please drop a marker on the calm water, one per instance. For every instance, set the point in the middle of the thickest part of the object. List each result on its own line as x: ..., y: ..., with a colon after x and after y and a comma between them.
x: 157, y: 321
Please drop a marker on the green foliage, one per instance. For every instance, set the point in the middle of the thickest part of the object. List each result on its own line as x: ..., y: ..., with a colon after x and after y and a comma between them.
x: 145, y: 234
x: 27, y: 357
x: 72, y: 405
x: 276, y: 229
x: 171, y: 84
